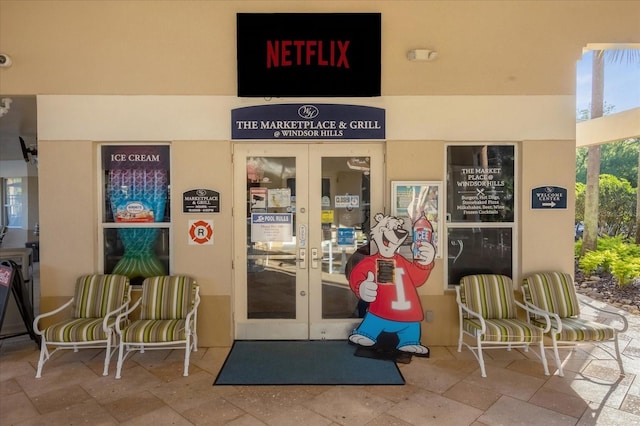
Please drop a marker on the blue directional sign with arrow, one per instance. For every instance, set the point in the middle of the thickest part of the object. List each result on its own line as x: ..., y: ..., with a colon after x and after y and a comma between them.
x: 549, y: 197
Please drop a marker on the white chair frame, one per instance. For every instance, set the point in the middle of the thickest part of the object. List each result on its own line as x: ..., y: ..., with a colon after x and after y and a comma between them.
x: 481, y: 344
x: 556, y: 344
x: 190, y: 343
x: 109, y: 344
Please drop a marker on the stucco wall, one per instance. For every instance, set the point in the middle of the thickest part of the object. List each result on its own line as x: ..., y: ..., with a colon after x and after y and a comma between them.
x: 165, y: 71
x: 188, y: 47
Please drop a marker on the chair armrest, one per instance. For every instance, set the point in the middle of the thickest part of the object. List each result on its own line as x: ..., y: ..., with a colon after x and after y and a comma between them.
x: 105, y: 321
x: 125, y: 314
x: 465, y: 308
x: 48, y: 314
x: 539, y: 312
x: 622, y: 318
x: 124, y: 306
x: 193, y: 313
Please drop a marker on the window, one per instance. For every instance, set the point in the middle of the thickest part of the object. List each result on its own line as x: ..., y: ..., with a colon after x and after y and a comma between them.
x: 481, y: 210
x: 135, y: 210
x: 13, y: 202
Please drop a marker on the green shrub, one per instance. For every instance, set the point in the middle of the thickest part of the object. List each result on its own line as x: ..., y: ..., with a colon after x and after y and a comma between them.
x: 625, y: 270
x: 614, y: 255
x: 595, y: 261
x: 577, y: 249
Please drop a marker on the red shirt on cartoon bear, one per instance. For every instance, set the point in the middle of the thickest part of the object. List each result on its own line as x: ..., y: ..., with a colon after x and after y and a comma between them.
x: 397, y: 300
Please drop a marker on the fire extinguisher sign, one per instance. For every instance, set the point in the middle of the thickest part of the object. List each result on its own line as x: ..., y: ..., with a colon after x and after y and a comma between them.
x: 201, y: 232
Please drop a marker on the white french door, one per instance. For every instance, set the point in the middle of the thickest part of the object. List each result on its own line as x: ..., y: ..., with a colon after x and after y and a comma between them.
x: 300, y: 211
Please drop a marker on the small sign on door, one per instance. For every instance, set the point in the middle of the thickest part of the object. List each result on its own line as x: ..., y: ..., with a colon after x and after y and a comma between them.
x: 268, y: 227
x: 346, y: 236
x: 347, y: 201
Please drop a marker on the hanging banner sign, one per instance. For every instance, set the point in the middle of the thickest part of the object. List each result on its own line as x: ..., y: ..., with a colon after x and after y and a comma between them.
x: 201, y: 232
x: 200, y: 201
x: 549, y: 197
x: 309, y: 54
x: 308, y: 121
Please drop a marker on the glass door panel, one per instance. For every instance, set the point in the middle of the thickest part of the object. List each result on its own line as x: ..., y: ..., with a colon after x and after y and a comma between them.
x: 271, y: 246
x: 302, y: 211
x: 341, y: 182
x: 345, y: 228
x: 270, y: 280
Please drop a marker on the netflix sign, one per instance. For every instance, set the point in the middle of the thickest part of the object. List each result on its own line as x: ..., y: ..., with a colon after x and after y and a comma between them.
x: 308, y: 54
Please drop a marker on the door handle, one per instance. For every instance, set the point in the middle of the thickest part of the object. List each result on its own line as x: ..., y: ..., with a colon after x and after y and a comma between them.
x: 302, y: 258
x: 314, y: 258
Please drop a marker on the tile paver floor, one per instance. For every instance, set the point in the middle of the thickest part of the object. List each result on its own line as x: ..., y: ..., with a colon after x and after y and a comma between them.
x: 446, y: 389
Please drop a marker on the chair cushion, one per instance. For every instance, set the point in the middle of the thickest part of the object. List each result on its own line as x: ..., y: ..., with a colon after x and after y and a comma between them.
x: 504, y: 330
x: 76, y: 330
x: 489, y: 295
x: 579, y: 330
x: 553, y: 292
x: 97, y: 295
x: 166, y: 297
x: 155, y: 331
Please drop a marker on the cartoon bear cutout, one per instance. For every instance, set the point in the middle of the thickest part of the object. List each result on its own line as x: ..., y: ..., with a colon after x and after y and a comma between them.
x: 389, y: 282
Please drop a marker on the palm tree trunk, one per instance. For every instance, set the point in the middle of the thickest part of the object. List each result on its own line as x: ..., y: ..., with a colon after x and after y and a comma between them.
x: 591, y: 210
x: 638, y: 203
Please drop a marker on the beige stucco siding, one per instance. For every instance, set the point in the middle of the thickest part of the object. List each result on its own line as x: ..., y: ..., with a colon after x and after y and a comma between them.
x: 165, y: 72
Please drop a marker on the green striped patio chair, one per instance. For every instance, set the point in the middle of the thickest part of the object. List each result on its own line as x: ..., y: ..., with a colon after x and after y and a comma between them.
x: 488, y: 313
x: 168, y: 319
x: 97, y: 301
x: 555, y: 294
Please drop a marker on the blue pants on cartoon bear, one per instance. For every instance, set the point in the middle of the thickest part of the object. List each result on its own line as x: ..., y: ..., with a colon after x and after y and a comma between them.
x: 372, y: 325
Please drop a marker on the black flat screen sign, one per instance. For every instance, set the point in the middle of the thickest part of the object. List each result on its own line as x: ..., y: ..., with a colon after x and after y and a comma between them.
x: 308, y: 54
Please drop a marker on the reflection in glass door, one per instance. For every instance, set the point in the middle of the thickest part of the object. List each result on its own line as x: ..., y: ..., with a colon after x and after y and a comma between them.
x: 303, y: 210
x: 342, y: 227
x: 271, y: 244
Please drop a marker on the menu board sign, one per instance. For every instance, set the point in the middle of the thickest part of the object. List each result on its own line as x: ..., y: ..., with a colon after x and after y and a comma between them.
x: 479, y: 190
x: 482, y: 191
x: 6, y: 278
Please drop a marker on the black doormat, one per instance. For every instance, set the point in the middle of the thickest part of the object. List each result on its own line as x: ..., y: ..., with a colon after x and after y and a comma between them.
x: 304, y: 362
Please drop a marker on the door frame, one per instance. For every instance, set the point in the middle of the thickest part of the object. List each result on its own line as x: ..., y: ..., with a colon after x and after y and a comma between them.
x: 312, y: 327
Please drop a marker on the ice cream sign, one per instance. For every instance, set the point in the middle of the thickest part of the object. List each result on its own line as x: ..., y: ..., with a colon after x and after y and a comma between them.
x: 549, y: 197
